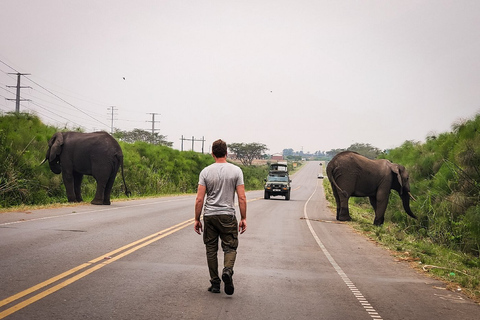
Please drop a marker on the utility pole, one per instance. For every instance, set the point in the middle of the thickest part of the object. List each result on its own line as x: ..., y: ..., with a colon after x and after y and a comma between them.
x: 113, y: 110
x: 193, y: 141
x: 153, y: 122
x: 17, y: 99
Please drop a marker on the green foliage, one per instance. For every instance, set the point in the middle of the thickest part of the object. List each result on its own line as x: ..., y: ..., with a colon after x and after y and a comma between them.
x: 22, y: 147
x: 247, y: 152
x: 150, y: 169
x: 254, y: 176
x: 411, y: 243
x: 141, y: 135
x: 365, y: 150
x: 445, y: 179
x: 155, y: 169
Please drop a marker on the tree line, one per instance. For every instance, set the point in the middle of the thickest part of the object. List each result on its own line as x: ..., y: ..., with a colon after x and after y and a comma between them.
x: 151, y: 166
x: 364, y: 149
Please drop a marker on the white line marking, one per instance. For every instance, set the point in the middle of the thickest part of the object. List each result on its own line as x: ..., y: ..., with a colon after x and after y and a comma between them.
x: 368, y: 307
x: 89, y: 211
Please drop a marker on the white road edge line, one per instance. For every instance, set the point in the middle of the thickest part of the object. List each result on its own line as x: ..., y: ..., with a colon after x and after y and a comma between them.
x: 89, y: 211
x: 100, y: 210
x: 361, y: 299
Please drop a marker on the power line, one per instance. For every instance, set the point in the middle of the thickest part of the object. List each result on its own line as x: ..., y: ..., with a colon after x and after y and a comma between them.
x: 7, y: 91
x: 55, y: 114
x: 67, y: 102
x: 9, y: 66
x: 70, y: 94
x: 49, y: 102
x: 48, y: 117
x: 57, y: 97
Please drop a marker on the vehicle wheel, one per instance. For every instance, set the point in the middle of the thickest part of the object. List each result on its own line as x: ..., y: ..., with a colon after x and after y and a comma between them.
x: 287, y: 195
x: 266, y: 195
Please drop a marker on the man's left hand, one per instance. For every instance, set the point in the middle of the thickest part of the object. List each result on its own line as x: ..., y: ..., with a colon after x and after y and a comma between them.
x: 242, y: 226
x: 198, y: 226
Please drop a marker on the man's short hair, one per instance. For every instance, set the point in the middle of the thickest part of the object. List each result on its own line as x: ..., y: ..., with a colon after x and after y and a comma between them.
x: 219, y: 148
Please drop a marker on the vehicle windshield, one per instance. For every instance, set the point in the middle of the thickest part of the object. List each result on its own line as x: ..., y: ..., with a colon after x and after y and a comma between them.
x: 277, y: 178
x: 278, y: 167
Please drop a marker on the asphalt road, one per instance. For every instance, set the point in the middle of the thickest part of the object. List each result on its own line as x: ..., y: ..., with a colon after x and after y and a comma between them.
x: 142, y: 260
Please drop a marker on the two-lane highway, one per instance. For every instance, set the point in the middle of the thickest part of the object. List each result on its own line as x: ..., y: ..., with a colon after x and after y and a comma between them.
x: 142, y: 260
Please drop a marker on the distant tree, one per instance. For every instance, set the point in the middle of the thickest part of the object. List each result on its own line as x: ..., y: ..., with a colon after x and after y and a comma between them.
x: 288, y: 152
x: 332, y: 153
x: 142, y: 135
x: 294, y: 158
x: 365, y: 149
x: 247, y: 152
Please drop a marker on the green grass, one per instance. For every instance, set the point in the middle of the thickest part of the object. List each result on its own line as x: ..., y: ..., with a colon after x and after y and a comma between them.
x: 459, y: 270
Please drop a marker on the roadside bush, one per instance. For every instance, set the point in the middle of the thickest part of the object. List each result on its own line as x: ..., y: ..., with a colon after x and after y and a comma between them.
x: 149, y: 169
x: 22, y: 141
x: 445, y: 179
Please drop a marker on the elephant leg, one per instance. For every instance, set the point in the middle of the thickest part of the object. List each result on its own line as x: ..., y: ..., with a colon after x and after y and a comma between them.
x: 98, y: 200
x: 373, y: 202
x: 380, y: 209
x: 344, y: 213
x: 68, y: 181
x: 337, y: 200
x: 77, y: 186
x: 108, y: 190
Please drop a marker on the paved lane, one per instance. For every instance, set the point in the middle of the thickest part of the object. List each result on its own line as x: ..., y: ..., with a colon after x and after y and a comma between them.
x: 142, y: 260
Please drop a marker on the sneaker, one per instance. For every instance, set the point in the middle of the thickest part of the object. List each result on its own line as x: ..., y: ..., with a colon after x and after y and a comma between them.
x: 227, y: 279
x: 215, y: 287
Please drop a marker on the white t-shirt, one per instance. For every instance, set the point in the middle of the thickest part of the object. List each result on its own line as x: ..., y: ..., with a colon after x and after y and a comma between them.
x: 221, y: 181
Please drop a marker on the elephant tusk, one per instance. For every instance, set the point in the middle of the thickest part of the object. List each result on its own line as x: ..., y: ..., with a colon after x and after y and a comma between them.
x: 44, y: 160
x: 411, y: 196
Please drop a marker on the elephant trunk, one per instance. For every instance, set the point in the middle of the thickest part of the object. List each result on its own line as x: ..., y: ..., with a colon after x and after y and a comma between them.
x: 54, y: 164
x: 406, y: 204
x: 55, y: 167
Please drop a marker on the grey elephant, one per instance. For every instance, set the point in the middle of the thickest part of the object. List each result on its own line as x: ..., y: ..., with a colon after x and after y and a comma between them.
x: 353, y: 175
x: 75, y: 154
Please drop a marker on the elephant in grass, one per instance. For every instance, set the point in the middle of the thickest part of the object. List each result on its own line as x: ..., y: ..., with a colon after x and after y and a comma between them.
x: 353, y: 175
x: 75, y: 154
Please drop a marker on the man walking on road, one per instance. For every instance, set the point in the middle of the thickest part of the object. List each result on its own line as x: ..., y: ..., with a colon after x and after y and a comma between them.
x: 219, y: 182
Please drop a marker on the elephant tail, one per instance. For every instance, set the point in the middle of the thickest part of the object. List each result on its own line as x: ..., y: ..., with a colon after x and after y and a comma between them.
x: 332, y: 179
x: 127, y: 192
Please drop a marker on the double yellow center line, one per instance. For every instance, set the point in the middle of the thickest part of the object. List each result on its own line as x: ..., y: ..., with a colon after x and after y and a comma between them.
x: 74, y: 274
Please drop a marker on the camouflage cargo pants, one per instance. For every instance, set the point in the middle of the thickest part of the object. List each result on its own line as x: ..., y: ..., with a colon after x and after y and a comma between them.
x: 224, y: 227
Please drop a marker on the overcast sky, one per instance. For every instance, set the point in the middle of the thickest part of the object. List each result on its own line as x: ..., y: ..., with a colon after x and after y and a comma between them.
x: 306, y: 74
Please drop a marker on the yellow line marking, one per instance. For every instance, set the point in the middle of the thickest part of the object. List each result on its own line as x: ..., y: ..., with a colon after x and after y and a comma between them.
x: 134, y: 246
x: 43, y: 284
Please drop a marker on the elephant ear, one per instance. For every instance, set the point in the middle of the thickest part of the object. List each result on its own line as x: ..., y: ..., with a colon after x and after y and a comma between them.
x: 397, y: 170
x: 55, y: 144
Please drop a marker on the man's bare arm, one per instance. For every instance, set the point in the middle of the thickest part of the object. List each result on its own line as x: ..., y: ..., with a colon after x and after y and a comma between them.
x: 242, y: 204
x: 198, y: 208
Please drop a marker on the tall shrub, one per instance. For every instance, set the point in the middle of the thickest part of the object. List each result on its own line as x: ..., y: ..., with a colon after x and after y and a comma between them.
x: 445, y: 178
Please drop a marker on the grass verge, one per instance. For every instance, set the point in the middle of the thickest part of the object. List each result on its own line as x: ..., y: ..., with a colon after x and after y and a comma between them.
x: 460, y: 272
